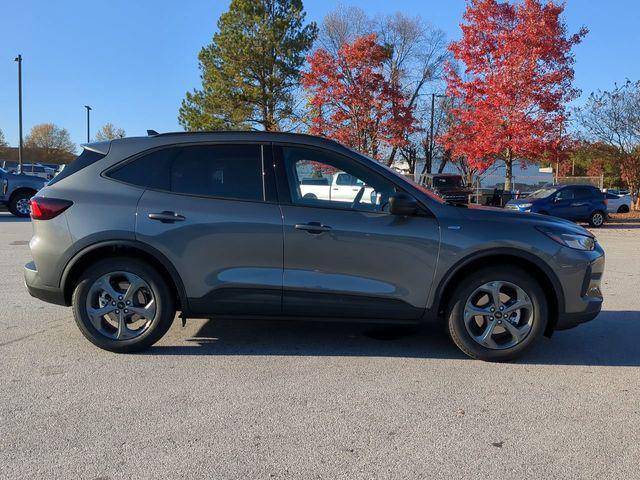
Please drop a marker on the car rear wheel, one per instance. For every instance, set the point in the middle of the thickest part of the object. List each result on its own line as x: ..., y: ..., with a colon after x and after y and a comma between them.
x: 122, y: 305
x: 20, y: 204
x: 497, y: 314
x: 596, y: 219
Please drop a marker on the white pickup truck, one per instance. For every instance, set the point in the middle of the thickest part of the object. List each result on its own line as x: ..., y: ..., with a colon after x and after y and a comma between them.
x: 341, y: 187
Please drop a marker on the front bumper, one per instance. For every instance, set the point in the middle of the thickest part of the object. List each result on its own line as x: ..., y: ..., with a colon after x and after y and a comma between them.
x: 571, y: 320
x: 38, y: 290
x: 587, y: 305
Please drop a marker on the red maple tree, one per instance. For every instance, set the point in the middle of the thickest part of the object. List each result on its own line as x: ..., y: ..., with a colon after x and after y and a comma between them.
x: 352, y: 102
x: 517, y: 80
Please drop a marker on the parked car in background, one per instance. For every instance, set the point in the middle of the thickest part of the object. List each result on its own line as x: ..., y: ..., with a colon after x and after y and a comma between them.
x: 16, y: 191
x: 218, y: 225
x: 448, y: 186
x: 339, y: 186
x: 617, y: 191
x: 573, y: 202
x: 618, y: 203
x: 37, y: 170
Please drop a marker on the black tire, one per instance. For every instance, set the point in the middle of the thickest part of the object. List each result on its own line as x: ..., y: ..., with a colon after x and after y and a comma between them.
x: 455, y: 315
x: 164, y: 299
x: 596, y: 219
x: 17, y: 197
x: 310, y: 196
x: 623, y: 209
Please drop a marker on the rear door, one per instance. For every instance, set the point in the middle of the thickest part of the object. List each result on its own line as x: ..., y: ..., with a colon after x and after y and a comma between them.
x: 349, y: 257
x: 209, y: 209
x: 584, y: 199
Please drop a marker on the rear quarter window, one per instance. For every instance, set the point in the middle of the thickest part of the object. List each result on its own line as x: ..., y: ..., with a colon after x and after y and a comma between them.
x: 86, y: 158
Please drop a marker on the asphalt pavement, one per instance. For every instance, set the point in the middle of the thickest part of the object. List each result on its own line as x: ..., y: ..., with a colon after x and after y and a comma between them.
x: 254, y: 400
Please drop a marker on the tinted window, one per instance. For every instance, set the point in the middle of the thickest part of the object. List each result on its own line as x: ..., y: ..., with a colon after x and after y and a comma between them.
x: 86, y: 158
x: 611, y: 196
x: 149, y: 171
x: 230, y: 171
x: 584, y: 192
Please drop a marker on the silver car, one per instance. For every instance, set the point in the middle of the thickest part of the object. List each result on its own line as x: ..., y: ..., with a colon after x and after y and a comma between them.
x: 216, y: 225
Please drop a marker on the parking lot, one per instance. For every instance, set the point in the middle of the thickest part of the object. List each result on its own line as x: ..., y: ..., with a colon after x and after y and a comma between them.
x: 222, y: 399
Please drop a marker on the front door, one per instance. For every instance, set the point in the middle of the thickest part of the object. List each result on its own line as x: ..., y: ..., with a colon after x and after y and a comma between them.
x: 562, y: 204
x: 349, y: 257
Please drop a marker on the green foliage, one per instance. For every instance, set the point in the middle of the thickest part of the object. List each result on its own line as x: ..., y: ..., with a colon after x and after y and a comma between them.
x: 251, y: 69
x: 3, y: 142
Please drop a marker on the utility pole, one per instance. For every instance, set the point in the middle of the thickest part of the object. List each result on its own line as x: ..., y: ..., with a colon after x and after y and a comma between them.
x: 19, y: 60
x: 431, y: 127
x: 88, y: 123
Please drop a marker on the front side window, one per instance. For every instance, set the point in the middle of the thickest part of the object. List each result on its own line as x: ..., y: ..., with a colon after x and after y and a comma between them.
x: 324, y: 178
x: 222, y: 171
x: 566, y: 194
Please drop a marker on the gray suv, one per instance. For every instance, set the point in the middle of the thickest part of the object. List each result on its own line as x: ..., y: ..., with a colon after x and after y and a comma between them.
x: 217, y: 225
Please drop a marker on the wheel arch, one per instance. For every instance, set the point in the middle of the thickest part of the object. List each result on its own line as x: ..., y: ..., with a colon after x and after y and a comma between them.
x: 18, y: 190
x: 117, y: 248
x: 528, y: 262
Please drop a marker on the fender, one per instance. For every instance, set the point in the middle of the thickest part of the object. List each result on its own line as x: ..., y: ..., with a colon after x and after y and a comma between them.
x: 537, y: 261
x: 155, y: 253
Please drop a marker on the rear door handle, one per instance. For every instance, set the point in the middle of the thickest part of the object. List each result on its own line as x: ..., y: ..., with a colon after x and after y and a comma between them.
x: 313, y: 227
x: 166, y: 217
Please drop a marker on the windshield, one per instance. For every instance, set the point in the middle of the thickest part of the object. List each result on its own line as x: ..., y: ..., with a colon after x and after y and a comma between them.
x: 542, y: 193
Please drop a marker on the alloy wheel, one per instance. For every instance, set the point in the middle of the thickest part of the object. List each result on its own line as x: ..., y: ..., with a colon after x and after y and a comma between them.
x: 23, y: 206
x: 498, y: 315
x: 121, y: 305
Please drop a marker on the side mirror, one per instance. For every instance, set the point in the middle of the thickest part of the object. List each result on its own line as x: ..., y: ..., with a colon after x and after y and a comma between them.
x: 402, y: 204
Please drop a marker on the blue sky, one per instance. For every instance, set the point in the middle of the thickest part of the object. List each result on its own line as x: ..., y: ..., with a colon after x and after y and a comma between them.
x: 133, y: 60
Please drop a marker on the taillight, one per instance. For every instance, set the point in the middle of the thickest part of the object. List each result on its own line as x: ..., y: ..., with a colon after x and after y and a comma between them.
x: 43, y: 208
x: 606, y: 201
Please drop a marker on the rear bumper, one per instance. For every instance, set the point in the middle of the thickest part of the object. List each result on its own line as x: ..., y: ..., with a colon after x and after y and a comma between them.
x: 38, y: 290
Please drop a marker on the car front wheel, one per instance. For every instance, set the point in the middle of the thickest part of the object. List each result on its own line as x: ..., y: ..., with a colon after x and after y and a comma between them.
x: 122, y: 305
x: 496, y: 314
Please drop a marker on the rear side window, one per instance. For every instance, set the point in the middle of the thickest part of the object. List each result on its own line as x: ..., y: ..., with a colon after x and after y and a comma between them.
x: 86, y: 158
x: 227, y: 171
x: 585, y: 192
x: 149, y: 171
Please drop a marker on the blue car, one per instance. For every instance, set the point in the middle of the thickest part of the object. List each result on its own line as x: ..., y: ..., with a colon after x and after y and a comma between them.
x: 573, y: 202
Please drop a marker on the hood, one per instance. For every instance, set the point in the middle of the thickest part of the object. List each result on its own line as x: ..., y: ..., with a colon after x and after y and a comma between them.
x: 494, y: 214
x: 520, y: 201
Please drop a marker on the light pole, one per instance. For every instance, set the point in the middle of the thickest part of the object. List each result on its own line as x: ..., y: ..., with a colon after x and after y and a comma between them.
x: 88, y: 123
x: 19, y: 60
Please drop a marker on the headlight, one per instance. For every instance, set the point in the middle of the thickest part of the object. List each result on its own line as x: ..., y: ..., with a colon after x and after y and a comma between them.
x: 571, y: 240
x: 525, y: 205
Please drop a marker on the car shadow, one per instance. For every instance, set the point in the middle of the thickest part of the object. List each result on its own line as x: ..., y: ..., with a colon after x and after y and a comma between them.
x: 609, y: 340
x: 8, y: 217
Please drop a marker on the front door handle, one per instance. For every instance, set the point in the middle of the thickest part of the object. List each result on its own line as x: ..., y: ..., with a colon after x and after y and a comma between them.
x: 313, y: 227
x: 166, y: 217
